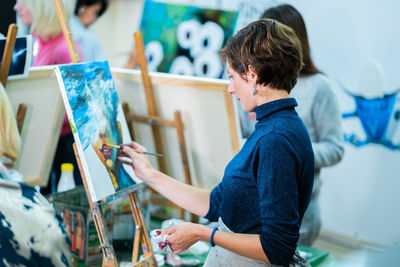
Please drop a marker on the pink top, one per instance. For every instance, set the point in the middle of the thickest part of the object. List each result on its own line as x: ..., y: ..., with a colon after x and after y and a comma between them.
x: 54, y: 52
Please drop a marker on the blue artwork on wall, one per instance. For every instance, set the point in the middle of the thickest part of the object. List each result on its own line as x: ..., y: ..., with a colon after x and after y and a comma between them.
x: 379, y: 118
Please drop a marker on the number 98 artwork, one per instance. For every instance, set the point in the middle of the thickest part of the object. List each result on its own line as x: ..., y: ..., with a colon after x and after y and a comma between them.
x: 185, y: 39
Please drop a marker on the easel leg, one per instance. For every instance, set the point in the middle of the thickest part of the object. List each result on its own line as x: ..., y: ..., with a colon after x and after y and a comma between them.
x: 141, y: 227
x: 109, y: 258
x: 21, y: 113
x: 135, y: 252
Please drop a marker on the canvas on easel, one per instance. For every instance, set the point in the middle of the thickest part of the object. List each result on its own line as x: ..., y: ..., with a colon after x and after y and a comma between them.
x: 96, y: 119
x: 21, y: 58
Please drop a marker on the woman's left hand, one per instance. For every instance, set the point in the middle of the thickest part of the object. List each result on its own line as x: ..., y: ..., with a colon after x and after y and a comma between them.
x: 182, y: 236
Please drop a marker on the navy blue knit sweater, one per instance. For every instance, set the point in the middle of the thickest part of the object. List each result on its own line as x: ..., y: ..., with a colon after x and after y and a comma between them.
x: 267, y: 186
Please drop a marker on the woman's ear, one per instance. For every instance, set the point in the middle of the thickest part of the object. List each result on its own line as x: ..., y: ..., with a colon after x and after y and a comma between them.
x: 251, y: 75
x: 81, y: 10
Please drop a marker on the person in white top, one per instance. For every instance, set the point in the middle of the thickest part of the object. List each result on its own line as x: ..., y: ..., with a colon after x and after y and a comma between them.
x: 319, y: 110
x: 86, y: 13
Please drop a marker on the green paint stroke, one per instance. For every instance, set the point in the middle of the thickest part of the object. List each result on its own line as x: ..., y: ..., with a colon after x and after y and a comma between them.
x: 73, y: 128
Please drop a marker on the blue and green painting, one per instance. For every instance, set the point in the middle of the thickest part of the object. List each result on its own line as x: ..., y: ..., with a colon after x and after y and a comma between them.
x: 96, y: 117
x: 185, y: 39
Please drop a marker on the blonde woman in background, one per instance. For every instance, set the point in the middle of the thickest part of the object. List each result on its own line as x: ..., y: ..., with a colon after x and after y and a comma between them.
x: 50, y: 49
x: 50, y: 43
x: 30, y: 232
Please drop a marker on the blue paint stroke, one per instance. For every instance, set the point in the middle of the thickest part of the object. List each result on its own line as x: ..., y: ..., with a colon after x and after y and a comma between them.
x: 94, y: 103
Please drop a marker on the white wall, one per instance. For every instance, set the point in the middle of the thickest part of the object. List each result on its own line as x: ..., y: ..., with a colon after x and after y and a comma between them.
x: 360, y: 195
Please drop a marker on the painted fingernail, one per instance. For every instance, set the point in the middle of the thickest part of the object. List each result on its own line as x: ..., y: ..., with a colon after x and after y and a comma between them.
x: 163, y: 244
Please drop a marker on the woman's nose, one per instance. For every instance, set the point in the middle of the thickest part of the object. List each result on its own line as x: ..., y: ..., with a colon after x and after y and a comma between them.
x: 16, y: 6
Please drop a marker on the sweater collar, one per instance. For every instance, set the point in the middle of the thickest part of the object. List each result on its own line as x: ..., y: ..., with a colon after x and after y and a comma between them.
x: 268, y: 108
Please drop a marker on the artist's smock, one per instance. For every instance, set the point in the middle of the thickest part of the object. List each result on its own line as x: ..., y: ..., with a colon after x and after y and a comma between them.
x: 30, y: 232
x: 219, y: 256
x: 267, y: 186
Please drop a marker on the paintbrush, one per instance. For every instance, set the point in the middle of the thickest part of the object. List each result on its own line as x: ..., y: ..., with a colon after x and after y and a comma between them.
x: 137, y: 151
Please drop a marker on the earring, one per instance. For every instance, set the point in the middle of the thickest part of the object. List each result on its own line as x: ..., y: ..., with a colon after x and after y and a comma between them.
x: 254, y: 89
x: 81, y: 10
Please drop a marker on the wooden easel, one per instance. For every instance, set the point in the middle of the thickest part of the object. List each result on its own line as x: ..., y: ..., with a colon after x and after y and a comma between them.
x: 5, y: 68
x: 156, y: 123
x: 8, y: 52
x: 151, y: 104
x: 160, y: 122
x: 141, y: 233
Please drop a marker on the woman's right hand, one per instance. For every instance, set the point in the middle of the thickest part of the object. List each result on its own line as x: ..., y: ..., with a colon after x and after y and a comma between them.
x: 139, y: 162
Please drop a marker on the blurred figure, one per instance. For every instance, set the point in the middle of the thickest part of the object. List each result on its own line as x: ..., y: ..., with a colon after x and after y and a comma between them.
x: 30, y: 232
x: 132, y: 62
x: 319, y: 110
x: 50, y: 48
x: 86, y: 13
x: 50, y: 45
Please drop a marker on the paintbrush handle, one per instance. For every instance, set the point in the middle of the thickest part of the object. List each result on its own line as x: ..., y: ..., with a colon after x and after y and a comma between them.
x: 150, y: 153
x: 140, y: 152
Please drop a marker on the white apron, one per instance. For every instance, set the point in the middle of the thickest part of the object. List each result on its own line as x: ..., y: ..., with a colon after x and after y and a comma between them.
x: 220, y: 257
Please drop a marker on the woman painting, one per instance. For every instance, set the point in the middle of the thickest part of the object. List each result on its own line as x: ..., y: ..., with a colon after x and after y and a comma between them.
x: 267, y: 186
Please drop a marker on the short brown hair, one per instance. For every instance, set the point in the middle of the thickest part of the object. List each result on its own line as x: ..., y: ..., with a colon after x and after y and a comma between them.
x: 289, y: 16
x: 270, y: 48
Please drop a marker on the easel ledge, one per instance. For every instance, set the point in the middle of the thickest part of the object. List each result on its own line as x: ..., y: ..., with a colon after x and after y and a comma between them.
x: 141, y: 233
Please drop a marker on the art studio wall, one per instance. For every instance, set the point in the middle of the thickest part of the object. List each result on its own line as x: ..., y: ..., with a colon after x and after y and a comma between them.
x: 359, y: 53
